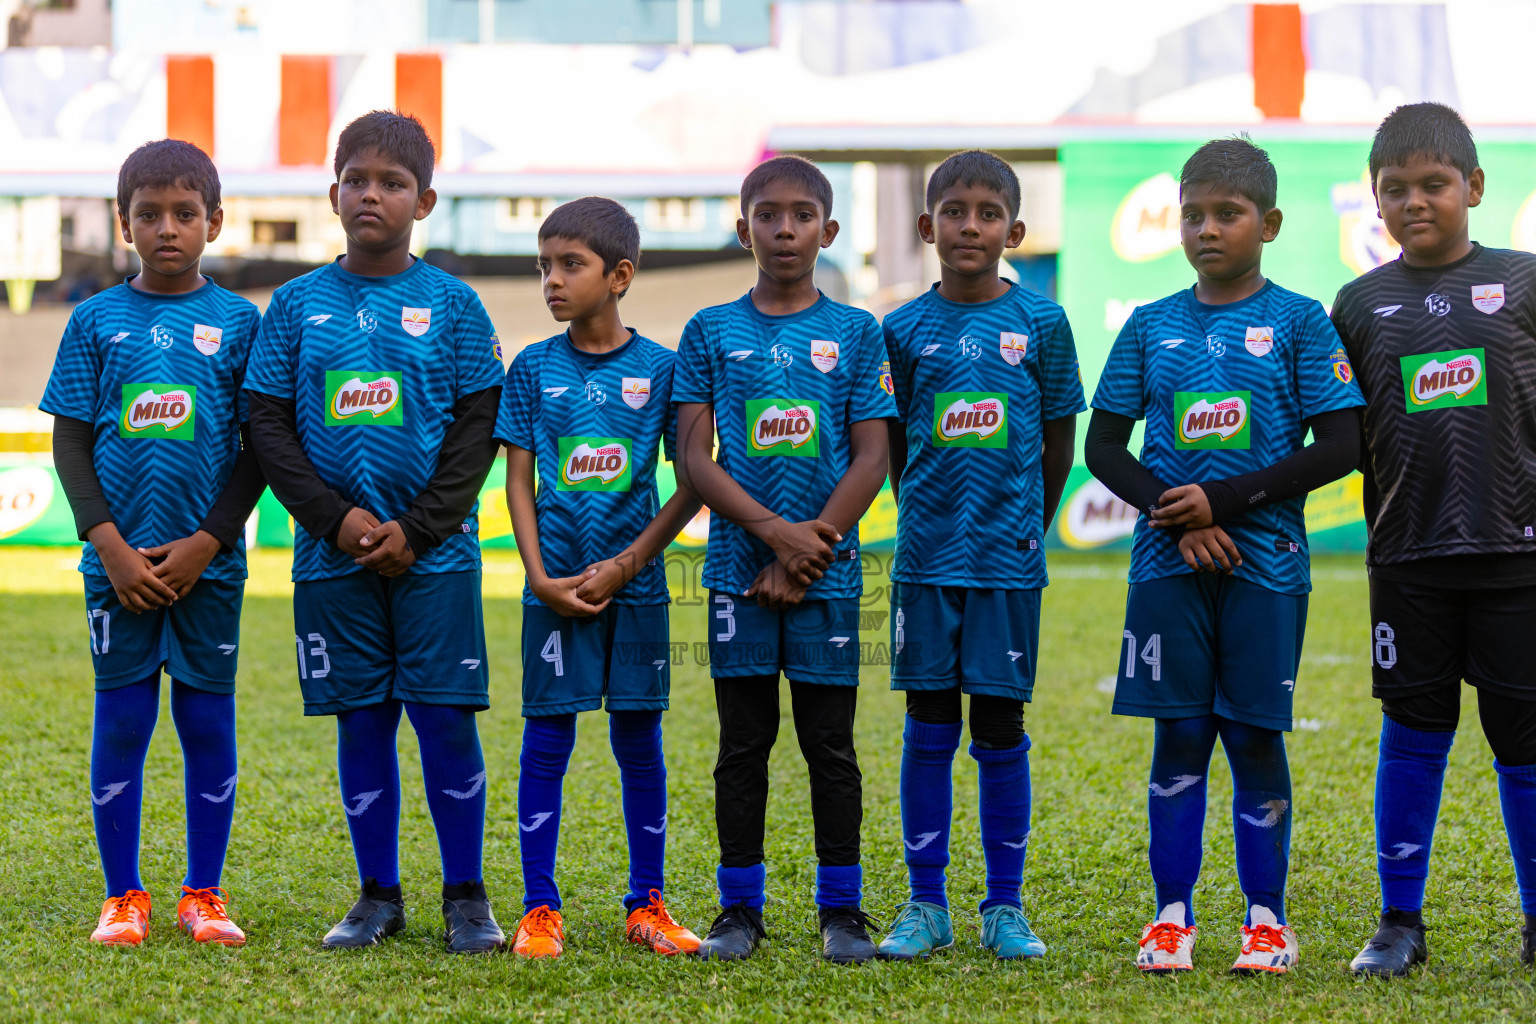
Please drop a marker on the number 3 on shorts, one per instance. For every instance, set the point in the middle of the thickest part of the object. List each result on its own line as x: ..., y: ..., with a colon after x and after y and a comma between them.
x: 551, y: 653
x: 726, y: 615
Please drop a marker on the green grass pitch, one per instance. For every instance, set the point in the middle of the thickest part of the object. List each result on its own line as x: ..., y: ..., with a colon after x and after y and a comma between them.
x: 1086, y: 887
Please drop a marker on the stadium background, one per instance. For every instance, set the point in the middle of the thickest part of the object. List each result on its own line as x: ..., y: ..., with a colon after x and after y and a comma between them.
x: 665, y: 104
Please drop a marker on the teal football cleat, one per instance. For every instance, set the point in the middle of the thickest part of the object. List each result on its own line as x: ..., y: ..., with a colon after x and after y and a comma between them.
x: 919, y: 929
x: 1005, y: 931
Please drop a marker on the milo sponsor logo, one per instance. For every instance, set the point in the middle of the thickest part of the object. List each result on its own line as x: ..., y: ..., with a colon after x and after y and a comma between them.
x: 1444, y: 380
x: 1211, y: 420
x: 783, y: 426
x: 966, y: 419
x: 364, y: 397
x: 594, y: 464
x: 158, y: 410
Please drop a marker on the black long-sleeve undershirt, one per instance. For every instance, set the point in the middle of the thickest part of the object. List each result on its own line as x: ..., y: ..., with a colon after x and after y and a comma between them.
x: 74, y: 450
x: 463, y: 461
x: 1334, y: 451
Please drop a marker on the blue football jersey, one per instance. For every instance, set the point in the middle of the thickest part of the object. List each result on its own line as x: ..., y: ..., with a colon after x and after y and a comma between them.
x: 1225, y: 390
x: 975, y: 384
x: 160, y: 377
x: 594, y: 423
x: 785, y: 390
x: 374, y: 366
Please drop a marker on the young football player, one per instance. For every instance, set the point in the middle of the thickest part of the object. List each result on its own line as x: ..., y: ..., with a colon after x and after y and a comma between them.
x: 798, y: 388
x: 148, y: 427
x: 1444, y: 341
x: 987, y: 389
x: 1229, y: 376
x: 587, y: 410
x: 373, y: 391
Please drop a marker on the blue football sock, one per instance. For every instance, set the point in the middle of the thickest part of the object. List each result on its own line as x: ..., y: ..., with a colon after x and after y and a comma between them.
x: 369, y: 767
x: 1261, y: 812
x: 839, y: 886
x: 125, y: 720
x: 1004, y: 798
x: 547, y: 746
x: 453, y: 769
x: 636, y: 740
x: 1181, y: 760
x: 927, y: 805
x: 205, y: 722
x: 1410, y: 772
x: 1517, y: 797
x: 745, y: 886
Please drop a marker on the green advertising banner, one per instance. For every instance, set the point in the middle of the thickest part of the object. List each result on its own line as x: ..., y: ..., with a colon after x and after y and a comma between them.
x: 1120, y: 248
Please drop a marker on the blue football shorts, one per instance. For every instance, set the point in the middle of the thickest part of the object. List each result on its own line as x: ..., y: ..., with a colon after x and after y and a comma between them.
x: 1208, y: 643
x: 364, y: 638
x: 620, y: 656
x: 812, y: 642
x: 983, y: 641
x: 196, y: 640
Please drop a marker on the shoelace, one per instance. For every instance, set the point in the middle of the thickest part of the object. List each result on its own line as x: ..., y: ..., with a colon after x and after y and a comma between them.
x: 541, y: 921
x: 855, y: 916
x: 122, y: 909
x: 658, y: 911
x: 209, y: 902
x: 1263, y: 939
x: 1165, y: 936
x: 733, y: 915
x: 908, y: 921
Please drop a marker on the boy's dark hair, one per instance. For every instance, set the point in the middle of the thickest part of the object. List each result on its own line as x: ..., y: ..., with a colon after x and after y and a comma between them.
x: 168, y: 162
x: 1236, y: 165
x: 1430, y: 130
x: 400, y: 137
x: 975, y: 167
x: 795, y: 169
x: 601, y: 225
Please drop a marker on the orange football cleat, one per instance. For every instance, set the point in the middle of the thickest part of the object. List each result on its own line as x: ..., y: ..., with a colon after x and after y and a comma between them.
x: 540, y: 933
x: 124, y: 919
x: 201, y: 914
x: 651, y: 925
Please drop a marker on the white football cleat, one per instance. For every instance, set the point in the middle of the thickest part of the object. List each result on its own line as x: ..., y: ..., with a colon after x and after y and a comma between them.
x: 1166, y: 944
x: 1268, y: 945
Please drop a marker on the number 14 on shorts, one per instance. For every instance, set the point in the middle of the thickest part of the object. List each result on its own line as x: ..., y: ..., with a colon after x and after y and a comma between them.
x: 1151, y: 655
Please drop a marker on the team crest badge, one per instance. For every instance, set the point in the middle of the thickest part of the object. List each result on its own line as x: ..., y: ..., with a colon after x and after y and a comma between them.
x: 207, y: 339
x: 824, y: 355
x: 1013, y: 347
x: 636, y: 391
x: 160, y: 336
x: 415, y: 321
x: 1341, y: 367
x: 1488, y: 298
x: 1259, y: 340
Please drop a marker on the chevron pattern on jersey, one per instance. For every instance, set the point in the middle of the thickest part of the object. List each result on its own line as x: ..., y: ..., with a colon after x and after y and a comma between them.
x: 1448, y: 480
x: 1272, y: 362
x: 555, y: 391
x: 326, y: 339
x: 972, y: 513
x: 160, y: 377
x: 829, y: 354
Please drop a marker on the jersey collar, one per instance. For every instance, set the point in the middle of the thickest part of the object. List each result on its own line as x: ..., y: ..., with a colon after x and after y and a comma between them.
x: 971, y: 307
x: 377, y: 282
x: 200, y: 290
x: 789, y: 318
x: 1442, y: 268
x: 1204, y: 309
x: 582, y: 355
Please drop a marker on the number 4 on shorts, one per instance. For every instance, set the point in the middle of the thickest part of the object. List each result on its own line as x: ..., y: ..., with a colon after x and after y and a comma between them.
x: 551, y: 653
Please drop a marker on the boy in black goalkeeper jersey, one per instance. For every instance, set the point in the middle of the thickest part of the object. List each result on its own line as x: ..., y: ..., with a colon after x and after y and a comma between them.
x: 1444, y: 342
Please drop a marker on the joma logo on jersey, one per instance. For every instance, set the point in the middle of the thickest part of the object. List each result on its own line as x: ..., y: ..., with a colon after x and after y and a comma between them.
x: 1212, y: 420
x: 965, y: 419
x: 594, y: 464
x: 1443, y: 380
x: 158, y: 410
x: 783, y: 427
x: 364, y: 398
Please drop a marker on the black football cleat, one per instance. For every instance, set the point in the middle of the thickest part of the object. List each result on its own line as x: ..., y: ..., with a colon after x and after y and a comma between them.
x: 734, y: 935
x: 1391, y: 952
x: 467, y: 918
x: 845, y: 936
x: 377, y: 915
x: 1528, y: 940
